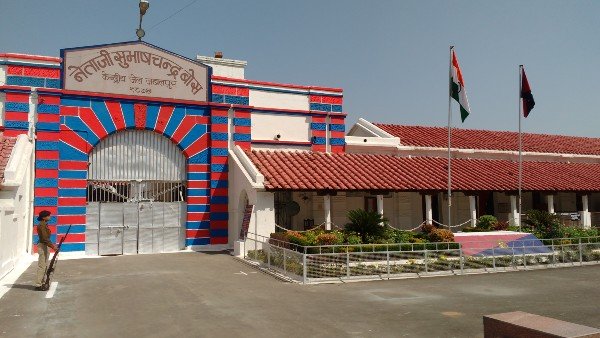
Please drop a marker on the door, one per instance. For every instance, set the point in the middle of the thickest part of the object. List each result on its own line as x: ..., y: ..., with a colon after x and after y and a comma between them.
x: 136, y: 196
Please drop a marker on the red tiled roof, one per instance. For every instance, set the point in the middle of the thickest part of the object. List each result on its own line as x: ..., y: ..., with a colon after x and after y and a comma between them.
x: 322, y: 171
x: 6, y: 146
x: 422, y: 136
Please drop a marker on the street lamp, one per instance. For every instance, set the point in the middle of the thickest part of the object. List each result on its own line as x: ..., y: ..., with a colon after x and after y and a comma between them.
x: 144, y: 5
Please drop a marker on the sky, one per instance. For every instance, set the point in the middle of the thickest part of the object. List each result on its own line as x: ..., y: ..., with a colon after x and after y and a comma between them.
x: 390, y: 57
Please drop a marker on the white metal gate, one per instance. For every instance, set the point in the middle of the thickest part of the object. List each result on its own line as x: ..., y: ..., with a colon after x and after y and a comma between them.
x: 136, y: 195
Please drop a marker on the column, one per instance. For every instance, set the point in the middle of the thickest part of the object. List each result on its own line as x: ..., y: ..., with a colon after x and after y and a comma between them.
x: 515, y: 218
x: 550, y: 199
x: 380, y: 205
x: 585, y: 214
x: 428, y: 210
x: 327, y: 209
x: 473, y: 209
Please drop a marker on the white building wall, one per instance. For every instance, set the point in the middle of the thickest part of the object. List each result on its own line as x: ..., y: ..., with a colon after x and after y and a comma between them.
x: 268, y: 99
x: 15, y: 206
x: 290, y: 128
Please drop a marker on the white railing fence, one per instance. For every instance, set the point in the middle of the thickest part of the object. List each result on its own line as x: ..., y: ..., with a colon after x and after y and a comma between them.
x: 313, y: 264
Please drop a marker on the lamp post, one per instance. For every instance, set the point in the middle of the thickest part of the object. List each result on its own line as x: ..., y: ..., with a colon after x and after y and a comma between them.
x: 144, y: 5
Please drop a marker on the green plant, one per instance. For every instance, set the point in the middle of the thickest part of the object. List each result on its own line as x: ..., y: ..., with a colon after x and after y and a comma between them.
x: 543, y: 224
x: 366, y: 224
x: 297, y: 238
x: 486, y: 222
x: 353, y: 239
x: 327, y: 239
x: 441, y: 235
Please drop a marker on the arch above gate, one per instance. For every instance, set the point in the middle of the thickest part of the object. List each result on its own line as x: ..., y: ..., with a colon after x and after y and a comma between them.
x: 136, y: 155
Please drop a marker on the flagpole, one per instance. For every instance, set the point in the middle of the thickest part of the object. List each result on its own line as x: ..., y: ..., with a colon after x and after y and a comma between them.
x: 520, y: 143
x: 450, y: 141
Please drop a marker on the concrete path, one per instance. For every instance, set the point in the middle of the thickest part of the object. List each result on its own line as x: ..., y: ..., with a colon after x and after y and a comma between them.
x: 213, y: 295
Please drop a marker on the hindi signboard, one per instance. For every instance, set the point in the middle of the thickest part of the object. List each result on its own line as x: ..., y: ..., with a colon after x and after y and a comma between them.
x: 135, y: 68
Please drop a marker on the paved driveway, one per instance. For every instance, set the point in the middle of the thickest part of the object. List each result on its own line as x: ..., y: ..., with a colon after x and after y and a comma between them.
x: 213, y: 295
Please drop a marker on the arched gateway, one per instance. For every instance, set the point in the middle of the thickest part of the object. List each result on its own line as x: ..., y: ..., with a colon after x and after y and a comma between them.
x: 136, y: 195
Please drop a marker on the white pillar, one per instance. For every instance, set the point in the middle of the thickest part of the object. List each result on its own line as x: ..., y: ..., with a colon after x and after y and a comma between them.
x: 380, y: 205
x: 515, y: 218
x: 327, y: 209
x: 428, y: 210
x: 473, y: 209
x: 550, y: 199
x: 585, y: 214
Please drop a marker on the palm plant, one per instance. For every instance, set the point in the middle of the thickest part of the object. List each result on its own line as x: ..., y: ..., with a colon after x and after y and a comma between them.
x: 366, y: 223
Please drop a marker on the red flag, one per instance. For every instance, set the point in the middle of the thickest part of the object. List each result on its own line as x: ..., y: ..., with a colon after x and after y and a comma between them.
x: 528, y: 102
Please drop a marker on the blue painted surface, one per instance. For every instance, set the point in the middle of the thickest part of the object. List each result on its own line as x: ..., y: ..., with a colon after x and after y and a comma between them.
x: 336, y: 108
x: 242, y: 100
x: 52, y: 83
x: 48, y: 108
x: 218, y: 232
x: 317, y: 126
x: 219, y: 216
x: 219, y: 136
x: 198, y: 208
x: 66, y: 152
x: 63, y: 192
x: 200, y: 158
x: 337, y: 127
x: 46, y: 183
x: 243, y: 122
x: 48, y: 126
x: 25, y: 81
x: 219, y: 152
x: 198, y: 192
x: 74, y: 102
x: 320, y: 107
x: 196, y: 111
x: 198, y: 176
x: 16, y: 125
x: 218, y: 120
x: 174, y: 121
x: 218, y: 168
x: 75, y: 124
x: 318, y: 140
x: 46, y: 164
x: 241, y: 137
x: 219, y: 200
x: 46, y: 145
x: 75, y: 229
x: 197, y: 225
x: 70, y: 247
x: 45, y: 201
x: 218, y: 184
x: 16, y: 107
x: 36, y: 238
x: 337, y: 141
x: 152, y: 116
x: 128, y: 114
x: 217, y: 98
x: 71, y: 210
x: 101, y: 112
x: 197, y: 131
x: 73, y: 174
x: 197, y: 241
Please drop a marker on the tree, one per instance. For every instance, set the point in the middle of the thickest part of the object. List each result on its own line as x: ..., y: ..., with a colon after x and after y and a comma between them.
x: 366, y: 224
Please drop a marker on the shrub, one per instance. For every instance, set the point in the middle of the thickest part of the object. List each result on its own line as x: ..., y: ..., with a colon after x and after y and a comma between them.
x: 427, y: 228
x: 543, y: 223
x: 353, y: 239
x: 500, y: 226
x: 297, y: 238
x: 486, y: 222
x: 441, y: 235
x: 366, y: 224
x: 279, y: 236
x: 327, y: 239
x: 574, y: 232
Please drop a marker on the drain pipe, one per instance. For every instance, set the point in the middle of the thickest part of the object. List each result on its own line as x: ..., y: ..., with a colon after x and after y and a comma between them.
x: 33, y: 107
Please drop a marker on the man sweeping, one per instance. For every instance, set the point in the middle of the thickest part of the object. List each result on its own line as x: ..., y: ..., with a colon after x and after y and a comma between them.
x: 44, y: 243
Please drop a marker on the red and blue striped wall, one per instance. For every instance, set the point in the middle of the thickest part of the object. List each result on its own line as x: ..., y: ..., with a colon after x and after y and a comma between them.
x: 69, y: 127
x: 319, y: 125
x: 33, y: 76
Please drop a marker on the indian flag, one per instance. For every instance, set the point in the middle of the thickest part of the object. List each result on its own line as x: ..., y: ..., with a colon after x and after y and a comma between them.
x: 457, y: 88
